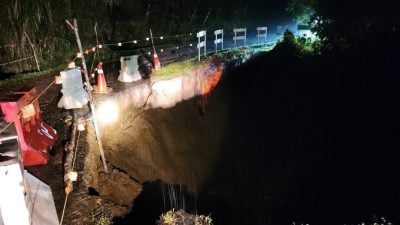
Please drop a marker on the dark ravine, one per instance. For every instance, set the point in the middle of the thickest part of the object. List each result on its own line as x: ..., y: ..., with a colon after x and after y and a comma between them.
x: 277, y: 144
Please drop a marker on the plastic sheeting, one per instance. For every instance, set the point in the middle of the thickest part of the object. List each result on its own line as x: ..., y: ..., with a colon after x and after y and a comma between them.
x: 74, y: 96
x: 129, y: 69
x: 40, y: 202
x: 24, y: 199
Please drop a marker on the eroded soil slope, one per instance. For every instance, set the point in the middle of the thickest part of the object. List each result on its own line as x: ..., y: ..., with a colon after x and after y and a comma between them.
x: 176, y: 145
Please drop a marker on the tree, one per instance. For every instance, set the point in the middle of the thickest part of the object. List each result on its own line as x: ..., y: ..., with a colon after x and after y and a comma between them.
x: 352, y: 25
x: 302, y: 10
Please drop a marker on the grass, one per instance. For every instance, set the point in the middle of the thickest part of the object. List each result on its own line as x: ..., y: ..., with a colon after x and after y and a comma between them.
x: 186, y: 66
x: 174, y: 69
x: 20, y: 78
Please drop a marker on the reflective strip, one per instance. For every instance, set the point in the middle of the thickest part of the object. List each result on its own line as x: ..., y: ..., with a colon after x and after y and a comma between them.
x: 239, y: 30
x: 239, y: 38
x: 201, y: 33
x: 218, y: 32
x: 100, y: 71
x: 201, y: 44
x: 217, y: 41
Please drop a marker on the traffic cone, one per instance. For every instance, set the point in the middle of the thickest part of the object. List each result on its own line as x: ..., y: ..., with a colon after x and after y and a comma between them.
x: 156, y: 61
x: 101, y: 86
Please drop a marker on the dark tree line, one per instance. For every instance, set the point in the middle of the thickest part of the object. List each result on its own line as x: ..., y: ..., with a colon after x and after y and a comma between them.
x: 362, y: 25
x: 341, y: 24
x: 43, y: 22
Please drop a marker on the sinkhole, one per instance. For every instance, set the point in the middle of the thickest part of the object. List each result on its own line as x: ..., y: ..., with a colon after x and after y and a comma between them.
x: 259, y: 151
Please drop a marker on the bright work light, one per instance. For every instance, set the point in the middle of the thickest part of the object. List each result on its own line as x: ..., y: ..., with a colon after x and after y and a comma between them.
x: 107, y: 112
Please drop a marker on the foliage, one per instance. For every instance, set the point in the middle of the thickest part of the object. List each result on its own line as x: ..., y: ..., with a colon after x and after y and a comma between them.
x: 174, y: 69
x: 292, y: 46
x: 100, y: 216
x: 240, y: 55
x: 302, y: 10
x: 43, y: 22
x: 169, y: 218
x: 180, y: 217
x: 360, y: 25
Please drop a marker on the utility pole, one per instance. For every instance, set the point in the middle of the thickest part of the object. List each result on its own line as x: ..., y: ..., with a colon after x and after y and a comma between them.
x: 89, y: 88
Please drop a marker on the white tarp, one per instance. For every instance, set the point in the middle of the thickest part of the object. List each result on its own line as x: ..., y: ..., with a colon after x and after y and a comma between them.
x: 24, y: 200
x: 35, y: 208
x: 12, y: 199
x: 40, y: 202
x: 74, y: 96
x: 129, y: 69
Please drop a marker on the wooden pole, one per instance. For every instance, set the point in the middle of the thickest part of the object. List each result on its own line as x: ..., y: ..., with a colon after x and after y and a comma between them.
x: 33, y: 49
x: 96, y: 127
x: 78, y: 41
x: 97, y: 42
x: 152, y: 42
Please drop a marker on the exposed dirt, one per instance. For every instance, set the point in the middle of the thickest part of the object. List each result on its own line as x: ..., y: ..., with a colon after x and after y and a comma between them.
x: 177, y: 145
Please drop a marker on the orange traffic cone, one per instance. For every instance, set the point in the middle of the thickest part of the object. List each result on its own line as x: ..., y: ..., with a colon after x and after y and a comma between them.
x: 101, y: 86
x: 156, y: 61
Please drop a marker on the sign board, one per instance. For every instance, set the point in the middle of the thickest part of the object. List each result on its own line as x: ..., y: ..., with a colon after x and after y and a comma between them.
x: 219, y: 40
x: 201, y: 33
x: 241, y: 36
x: 262, y: 33
x: 202, y: 43
x: 219, y: 32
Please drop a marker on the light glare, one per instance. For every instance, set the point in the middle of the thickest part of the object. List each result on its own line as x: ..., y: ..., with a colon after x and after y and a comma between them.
x: 107, y: 112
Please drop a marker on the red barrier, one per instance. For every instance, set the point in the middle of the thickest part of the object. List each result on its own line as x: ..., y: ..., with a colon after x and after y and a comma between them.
x: 35, y: 136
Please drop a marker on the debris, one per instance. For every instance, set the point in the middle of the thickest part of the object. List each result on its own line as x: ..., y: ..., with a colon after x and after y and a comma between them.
x: 180, y: 217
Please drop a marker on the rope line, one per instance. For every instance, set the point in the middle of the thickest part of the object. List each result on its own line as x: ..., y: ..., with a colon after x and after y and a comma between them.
x: 18, y: 60
x: 13, y: 45
x: 64, y: 207
x: 76, y: 149
x: 135, y: 41
x: 73, y: 166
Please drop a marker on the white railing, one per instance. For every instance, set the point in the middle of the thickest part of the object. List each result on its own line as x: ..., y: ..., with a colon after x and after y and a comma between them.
x: 219, y: 40
x: 203, y: 43
x: 262, y: 33
x: 243, y: 32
